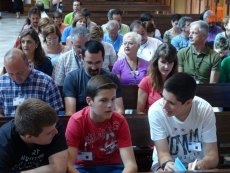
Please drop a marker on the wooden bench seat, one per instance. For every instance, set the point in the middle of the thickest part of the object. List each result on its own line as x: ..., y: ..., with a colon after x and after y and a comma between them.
x: 218, y: 95
x: 68, y: 3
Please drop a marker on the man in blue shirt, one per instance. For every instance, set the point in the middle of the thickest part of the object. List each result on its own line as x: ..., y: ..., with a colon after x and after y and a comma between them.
x: 22, y: 82
x: 75, y: 83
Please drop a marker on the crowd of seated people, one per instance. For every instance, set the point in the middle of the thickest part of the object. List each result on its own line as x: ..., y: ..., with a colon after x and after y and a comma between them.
x: 59, y: 62
x: 57, y: 57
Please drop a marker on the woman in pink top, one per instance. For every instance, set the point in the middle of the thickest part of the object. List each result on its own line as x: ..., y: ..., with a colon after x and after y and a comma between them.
x: 163, y: 65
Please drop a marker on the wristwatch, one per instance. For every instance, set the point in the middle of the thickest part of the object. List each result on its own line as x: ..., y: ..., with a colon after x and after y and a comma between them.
x: 164, y: 164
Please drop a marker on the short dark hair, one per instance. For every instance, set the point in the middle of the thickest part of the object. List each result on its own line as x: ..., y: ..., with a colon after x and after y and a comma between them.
x: 136, y: 23
x: 34, y: 10
x: 111, y: 12
x: 77, y: 1
x: 93, y: 46
x: 175, y: 17
x: 32, y: 116
x: 40, y: 6
x: 97, y: 83
x: 146, y: 16
x: 85, y: 12
x: 182, y: 85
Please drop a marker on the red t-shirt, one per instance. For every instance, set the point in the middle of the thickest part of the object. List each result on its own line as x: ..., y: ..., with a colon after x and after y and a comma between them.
x: 103, y: 139
x: 153, y: 95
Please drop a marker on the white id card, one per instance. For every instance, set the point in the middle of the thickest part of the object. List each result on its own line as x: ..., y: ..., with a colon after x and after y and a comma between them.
x: 85, y: 156
x: 194, y: 146
x: 18, y: 100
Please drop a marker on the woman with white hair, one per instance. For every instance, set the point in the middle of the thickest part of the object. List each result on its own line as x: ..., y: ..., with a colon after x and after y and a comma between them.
x: 131, y: 69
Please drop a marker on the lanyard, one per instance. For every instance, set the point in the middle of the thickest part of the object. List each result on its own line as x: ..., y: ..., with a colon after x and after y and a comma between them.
x: 77, y: 59
x: 196, y: 68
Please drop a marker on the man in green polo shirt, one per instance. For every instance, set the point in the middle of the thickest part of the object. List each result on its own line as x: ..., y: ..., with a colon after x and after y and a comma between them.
x: 76, y: 7
x: 199, y: 60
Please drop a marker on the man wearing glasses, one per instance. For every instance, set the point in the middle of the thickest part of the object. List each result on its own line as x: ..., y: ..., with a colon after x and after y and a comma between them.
x: 74, y: 87
x: 72, y: 59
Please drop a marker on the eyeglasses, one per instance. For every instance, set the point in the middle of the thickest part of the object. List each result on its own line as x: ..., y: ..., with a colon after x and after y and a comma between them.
x: 89, y: 63
x: 77, y: 46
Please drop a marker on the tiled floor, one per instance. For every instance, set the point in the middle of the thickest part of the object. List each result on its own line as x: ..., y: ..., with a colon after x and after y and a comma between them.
x: 9, y: 30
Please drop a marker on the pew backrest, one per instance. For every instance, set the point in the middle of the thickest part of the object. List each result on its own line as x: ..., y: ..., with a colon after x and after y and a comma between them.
x: 223, y: 137
x: 218, y: 95
x: 129, y: 95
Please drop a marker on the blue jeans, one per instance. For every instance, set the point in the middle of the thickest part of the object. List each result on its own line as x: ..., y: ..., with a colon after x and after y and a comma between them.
x: 101, y: 169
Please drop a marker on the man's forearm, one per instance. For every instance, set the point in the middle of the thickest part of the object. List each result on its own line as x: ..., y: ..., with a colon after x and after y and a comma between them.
x: 130, y: 168
x: 207, y: 163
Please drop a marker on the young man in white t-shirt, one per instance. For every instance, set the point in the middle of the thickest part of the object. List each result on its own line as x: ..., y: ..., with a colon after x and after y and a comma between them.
x: 183, y: 125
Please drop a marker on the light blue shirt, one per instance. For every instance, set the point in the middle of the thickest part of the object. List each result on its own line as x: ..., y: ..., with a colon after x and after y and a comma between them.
x: 116, y: 44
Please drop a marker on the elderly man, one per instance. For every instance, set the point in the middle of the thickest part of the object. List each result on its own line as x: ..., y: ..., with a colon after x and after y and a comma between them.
x: 75, y: 83
x: 72, y: 59
x: 113, y: 37
x: 21, y: 82
x: 199, y: 60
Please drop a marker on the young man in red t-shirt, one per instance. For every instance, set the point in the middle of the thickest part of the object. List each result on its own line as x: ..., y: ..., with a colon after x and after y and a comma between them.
x: 98, y: 138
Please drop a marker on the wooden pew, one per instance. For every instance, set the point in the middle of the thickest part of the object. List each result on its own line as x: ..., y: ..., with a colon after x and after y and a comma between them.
x: 132, y: 10
x: 218, y: 95
x: 140, y: 133
x: 143, y: 145
x: 102, y: 7
x: 223, y: 138
x: 129, y: 95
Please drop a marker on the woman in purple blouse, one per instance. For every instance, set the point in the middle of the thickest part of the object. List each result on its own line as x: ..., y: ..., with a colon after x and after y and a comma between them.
x: 131, y: 69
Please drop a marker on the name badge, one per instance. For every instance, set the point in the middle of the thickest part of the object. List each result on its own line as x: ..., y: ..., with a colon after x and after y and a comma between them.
x: 85, y: 156
x: 18, y: 100
x: 194, y: 146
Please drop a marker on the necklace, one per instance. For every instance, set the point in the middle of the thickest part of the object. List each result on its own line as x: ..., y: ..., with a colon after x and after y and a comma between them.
x: 134, y: 71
